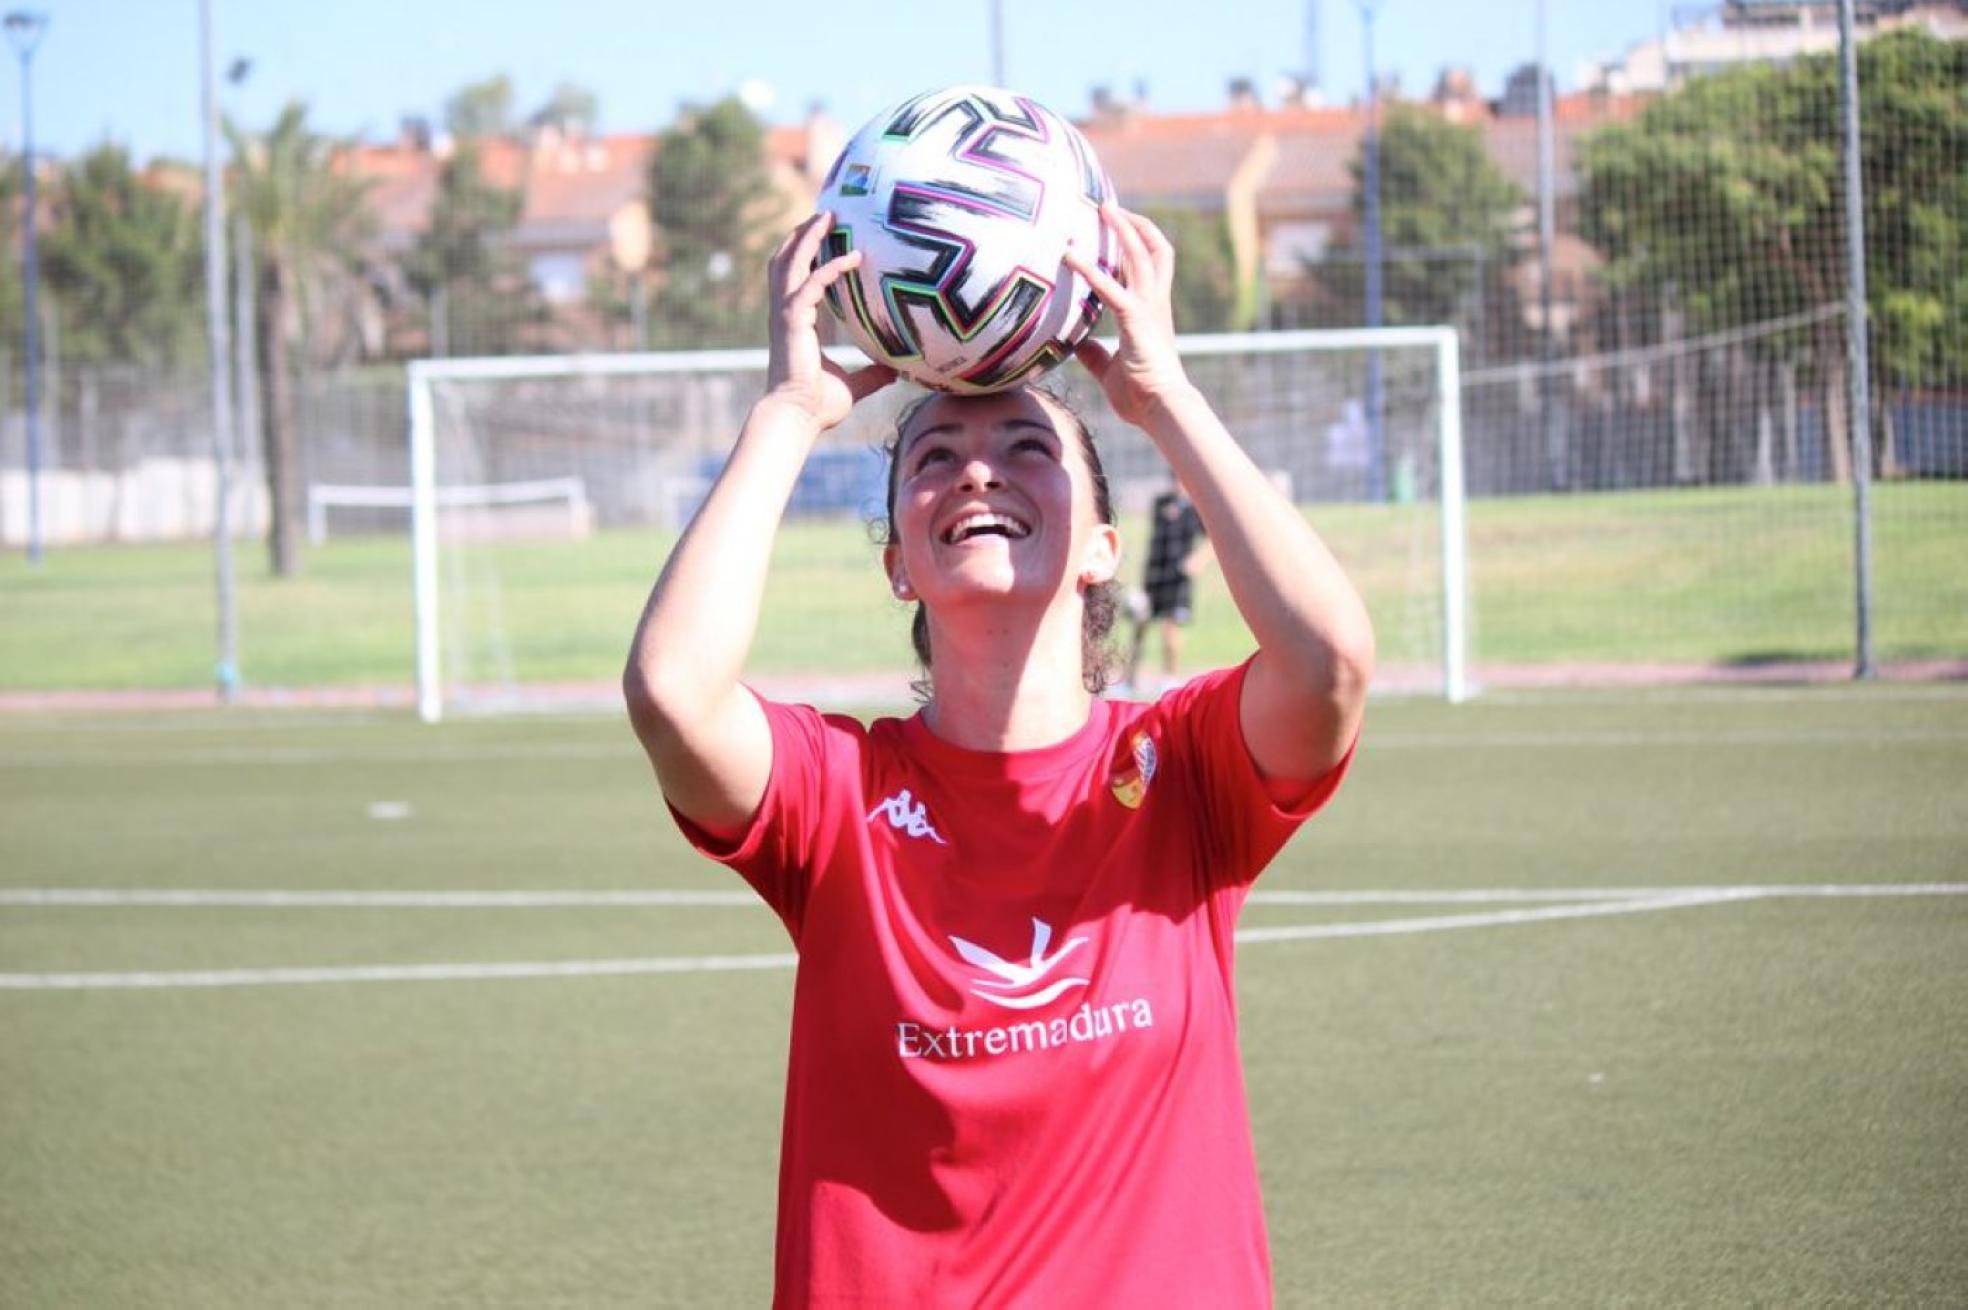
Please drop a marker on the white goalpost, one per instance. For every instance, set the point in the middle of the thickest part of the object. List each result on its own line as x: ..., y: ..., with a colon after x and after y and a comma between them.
x: 565, y: 499
x: 633, y: 441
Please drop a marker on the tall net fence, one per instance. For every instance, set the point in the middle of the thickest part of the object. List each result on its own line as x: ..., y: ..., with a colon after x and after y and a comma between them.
x: 1661, y: 392
x: 1657, y: 393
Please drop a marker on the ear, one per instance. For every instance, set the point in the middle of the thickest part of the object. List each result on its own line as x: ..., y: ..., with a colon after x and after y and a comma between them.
x: 1102, y: 559
x: 898, y: 577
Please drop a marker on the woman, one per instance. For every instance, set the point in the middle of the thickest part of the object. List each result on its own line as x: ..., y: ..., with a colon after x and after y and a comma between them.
x: 1013, y: 1077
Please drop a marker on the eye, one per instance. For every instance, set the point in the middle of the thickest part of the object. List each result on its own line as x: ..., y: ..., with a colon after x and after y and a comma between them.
x: 1032, y: 444
x: 929, y: 456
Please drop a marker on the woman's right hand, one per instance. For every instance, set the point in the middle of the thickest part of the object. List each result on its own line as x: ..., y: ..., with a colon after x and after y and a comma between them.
x: 798, y: 375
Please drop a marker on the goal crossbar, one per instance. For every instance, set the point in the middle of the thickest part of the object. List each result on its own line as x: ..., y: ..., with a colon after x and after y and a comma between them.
x: 323, y: 496
x: 426, y: 497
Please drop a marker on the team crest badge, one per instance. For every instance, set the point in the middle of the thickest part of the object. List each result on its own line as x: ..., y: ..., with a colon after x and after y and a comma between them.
x: 1135, y: 769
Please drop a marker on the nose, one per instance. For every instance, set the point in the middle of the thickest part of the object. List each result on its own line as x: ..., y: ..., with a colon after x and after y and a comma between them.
x: 978, y: 474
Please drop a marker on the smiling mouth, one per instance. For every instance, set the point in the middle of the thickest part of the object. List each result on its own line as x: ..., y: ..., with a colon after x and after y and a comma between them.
x: 985, y: 525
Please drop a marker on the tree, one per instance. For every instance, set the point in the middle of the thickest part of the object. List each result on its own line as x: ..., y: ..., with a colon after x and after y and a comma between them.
x: 481, y: 109
x: 1724, y: 203
x: 1914, y: 161
x: 715, y: 214
x: 477, y: 294
x: 309, y: 223
x: 571, y: 110
x: 1446, y: 214
x: 1205, y: 290
x: 10, y: 272
x: 124, y: 259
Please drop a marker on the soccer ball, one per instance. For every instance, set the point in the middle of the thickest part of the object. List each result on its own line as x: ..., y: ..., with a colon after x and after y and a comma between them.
x: 963, y: 202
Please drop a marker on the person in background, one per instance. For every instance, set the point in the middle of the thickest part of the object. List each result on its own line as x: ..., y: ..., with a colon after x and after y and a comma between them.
x: 1178, y: 548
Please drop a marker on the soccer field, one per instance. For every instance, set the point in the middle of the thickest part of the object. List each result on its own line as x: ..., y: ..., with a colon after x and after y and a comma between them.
x: 1639, y: 998
x: 1710, y: 578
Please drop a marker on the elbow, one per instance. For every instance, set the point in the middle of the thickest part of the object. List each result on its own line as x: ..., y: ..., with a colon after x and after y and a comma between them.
x: 656, y: 705
x: 1351, y: 657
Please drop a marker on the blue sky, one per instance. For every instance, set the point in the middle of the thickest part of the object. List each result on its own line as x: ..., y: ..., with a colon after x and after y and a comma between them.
x: 127, y: 70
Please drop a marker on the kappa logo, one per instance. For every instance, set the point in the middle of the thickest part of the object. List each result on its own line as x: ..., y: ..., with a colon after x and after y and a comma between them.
x: 1022, y: 986
x: 908, y: 815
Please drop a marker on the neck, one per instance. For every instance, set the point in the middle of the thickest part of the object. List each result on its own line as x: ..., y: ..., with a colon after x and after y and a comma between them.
x: 1007, y: 687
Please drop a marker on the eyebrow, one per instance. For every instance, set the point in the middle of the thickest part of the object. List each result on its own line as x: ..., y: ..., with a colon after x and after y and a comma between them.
x: 951, y: 425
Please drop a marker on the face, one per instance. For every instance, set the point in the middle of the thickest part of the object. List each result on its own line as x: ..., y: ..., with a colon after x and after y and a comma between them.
x: 994, y: 497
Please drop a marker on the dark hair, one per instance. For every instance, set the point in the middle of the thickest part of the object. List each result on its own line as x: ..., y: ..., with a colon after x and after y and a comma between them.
x: 1102, y: 601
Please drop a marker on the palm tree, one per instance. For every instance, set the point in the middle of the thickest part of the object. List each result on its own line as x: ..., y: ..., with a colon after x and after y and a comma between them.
x: 310, y: 222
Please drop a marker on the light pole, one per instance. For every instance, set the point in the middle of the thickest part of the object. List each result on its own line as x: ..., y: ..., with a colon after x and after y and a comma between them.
x: 225, y: 670
x: 997, y: 43
x: 1370, y: 184
x: 1554, y: 438
x: 24, y: 32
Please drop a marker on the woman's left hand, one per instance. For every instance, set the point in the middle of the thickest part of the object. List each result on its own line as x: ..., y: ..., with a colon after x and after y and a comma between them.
x: 1145, y: 369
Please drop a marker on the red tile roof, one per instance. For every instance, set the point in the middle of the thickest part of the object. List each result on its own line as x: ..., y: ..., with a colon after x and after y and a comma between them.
x: 574, y: 185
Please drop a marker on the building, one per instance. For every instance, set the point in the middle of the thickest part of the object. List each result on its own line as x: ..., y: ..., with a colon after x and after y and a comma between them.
x: 1282, y: 177
x: 1739, y: 32
x: 1279, y: 175
x: 584, y: 215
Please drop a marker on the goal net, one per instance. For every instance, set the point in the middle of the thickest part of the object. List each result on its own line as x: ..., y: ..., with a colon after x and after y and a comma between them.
x: 542, y: 507
x: 1360, y: 428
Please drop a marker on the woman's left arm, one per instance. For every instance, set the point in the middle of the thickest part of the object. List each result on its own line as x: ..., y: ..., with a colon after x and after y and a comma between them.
x: 1307, y: 687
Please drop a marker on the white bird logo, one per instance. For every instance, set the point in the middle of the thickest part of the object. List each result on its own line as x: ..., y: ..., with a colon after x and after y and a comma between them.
x: 1017, y: 978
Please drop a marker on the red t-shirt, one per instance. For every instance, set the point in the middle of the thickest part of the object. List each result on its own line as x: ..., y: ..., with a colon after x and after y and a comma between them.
x: 1014, y: 1076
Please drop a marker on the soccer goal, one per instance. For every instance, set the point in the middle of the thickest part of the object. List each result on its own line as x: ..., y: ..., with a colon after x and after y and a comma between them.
x: 542, y: 507
x: 1362, y: 428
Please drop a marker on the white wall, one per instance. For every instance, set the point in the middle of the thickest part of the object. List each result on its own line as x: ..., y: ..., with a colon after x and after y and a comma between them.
x: 158, y: 499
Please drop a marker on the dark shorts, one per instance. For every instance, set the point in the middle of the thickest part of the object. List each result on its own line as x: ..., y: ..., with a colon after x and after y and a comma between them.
x: 1170, y: 598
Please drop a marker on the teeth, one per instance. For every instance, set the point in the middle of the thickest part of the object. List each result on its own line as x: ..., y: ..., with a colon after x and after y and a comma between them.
x: 973, y: 523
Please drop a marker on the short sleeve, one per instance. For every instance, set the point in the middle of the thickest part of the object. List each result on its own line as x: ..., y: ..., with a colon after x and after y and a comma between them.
x: 1240, y: 827
x: 816, y: 770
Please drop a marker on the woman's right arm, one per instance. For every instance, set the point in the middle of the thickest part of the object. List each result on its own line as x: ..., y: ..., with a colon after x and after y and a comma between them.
x: 705, y: 734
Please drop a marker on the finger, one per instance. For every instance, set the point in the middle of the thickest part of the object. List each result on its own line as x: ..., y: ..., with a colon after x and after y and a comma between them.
x: 809, y: 292
x: 868, y: 379
x: 1135, y: 260
x: 790, y: 242
x: 1154, y: 242
x: 795, y: 254
x: 1094, y: 356
x: 809, y: 236
x: 1152, y: 237
x: 1105, y: 285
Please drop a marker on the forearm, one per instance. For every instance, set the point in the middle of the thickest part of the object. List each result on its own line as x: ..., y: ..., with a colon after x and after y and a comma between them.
x: 698, y: 624
x: 1298, y: 603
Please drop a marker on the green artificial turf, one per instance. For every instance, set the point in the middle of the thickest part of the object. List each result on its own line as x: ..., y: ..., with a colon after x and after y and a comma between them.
x: 1750, y: 1102
x: 1709, y: 577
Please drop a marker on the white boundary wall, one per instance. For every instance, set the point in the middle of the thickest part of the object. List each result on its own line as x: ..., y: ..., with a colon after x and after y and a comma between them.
x: 156, y: 499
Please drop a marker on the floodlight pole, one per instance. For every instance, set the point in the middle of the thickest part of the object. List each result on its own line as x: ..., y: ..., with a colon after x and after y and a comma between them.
x: 24, y: 31
x: 218, y: 331
x: 1857, y: 346
x: 1370, y: 184
x: 997, y: 43
x: 1547, y: 237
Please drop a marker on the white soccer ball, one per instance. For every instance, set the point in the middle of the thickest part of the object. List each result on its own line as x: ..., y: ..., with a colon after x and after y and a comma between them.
x: 963, y: 202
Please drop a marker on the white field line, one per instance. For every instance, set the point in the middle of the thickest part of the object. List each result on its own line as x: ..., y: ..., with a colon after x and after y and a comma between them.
x: 192, y: 898
x: 393, y: 973
x: 1494, y: 919
x: 229, y: 756
x: 1622, y: 738
x: 1534, y: 895
x: 218, y: 898
x: 255, y: 756
x: 1662, y: 899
